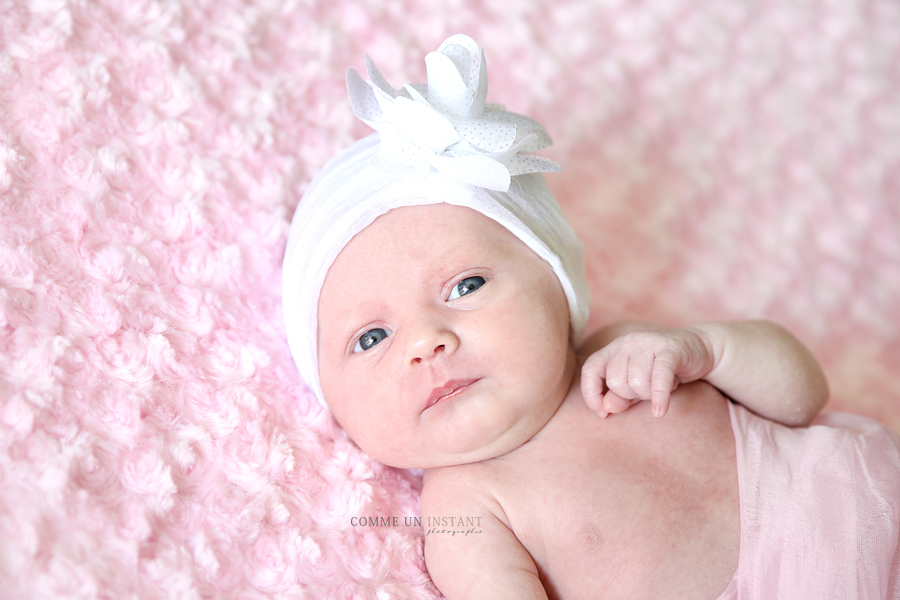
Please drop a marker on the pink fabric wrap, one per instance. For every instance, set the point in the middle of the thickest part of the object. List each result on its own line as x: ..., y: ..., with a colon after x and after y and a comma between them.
x: 820, y: 509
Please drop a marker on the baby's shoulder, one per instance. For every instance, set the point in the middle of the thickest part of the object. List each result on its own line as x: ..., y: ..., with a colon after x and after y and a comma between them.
x: 459, y: 489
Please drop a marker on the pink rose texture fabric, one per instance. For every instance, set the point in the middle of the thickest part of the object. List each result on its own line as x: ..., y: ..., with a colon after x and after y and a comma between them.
x: 722, y: 159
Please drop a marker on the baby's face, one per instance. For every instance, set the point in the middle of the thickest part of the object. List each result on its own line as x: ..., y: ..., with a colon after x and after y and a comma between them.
x: 442, y: 338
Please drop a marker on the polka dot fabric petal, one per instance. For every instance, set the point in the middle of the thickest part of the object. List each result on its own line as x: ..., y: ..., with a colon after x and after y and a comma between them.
x: 378, y: 79
x: 362, y: 99
x: 488, y: 136
x: 447, y: 91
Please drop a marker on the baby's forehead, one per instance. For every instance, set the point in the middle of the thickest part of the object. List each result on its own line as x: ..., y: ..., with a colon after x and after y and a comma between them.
x: 434, y: 214
x: 412, y: 230
x: 425, y: 244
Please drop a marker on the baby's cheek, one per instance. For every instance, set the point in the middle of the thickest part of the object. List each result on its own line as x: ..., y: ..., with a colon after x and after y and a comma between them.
x: 387, y: 443
x: 346, y: 403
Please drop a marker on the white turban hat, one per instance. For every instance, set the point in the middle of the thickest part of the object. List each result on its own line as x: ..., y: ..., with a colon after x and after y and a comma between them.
x: 438, y: 142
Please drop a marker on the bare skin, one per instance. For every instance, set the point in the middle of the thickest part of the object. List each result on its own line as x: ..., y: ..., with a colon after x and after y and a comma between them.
x: 444, y: 345
x: 608, y: 501
x: 626, y: 507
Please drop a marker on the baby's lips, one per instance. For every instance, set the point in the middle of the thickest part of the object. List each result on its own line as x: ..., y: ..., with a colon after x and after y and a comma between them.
x: 449, y: 390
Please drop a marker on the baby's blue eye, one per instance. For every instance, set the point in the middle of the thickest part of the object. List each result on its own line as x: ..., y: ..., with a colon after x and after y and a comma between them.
x: 370, y: 338
x: 466, y: 286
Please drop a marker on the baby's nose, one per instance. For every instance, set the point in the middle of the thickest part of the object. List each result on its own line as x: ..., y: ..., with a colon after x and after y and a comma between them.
x: 429, y: 340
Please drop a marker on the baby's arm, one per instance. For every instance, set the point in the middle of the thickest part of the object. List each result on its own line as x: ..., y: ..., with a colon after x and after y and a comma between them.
x: 488, y: 561
x: 756, y: 363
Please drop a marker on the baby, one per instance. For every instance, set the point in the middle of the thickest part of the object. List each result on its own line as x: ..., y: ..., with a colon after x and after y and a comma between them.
x: 435, y: 301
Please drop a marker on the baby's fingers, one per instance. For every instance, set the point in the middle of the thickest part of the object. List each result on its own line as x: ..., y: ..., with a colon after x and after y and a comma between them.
x: 619, y: 374
x: 592, y: 375
x: 614, y: 403
x: 640, y: 375
x: 662, y: 384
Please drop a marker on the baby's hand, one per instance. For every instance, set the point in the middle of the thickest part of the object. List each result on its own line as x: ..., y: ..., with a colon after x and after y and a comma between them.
x: 646, y: 365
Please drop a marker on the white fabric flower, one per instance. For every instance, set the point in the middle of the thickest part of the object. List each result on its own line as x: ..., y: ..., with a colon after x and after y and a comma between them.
x: 446, y: 125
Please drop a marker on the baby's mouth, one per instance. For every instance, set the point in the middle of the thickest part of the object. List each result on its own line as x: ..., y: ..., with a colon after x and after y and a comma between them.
x: 449, y: 390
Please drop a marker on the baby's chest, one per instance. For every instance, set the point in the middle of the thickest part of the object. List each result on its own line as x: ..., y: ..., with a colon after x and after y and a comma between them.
x: 609, y: 510
x: 632, y: 512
